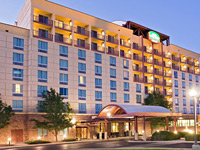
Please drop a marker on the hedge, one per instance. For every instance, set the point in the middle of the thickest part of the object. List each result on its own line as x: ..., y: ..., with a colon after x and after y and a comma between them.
x: 37, y: 142
x: 190, y: 137
x: 68, y: 140
x: 165, y: 136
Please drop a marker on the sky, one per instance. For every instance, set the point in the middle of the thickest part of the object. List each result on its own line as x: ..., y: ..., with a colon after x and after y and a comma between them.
x: 180, y: 19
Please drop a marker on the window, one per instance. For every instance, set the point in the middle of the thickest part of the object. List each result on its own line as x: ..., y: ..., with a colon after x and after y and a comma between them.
x: 97, y: 58
x: 64, y: 65
x: 98, y: 83
x: 42, y: 76
x: 175, y: 74
x: 197, y: 78
x: 138, y: 99
x: 64, y: 92
x: 176, y: 101
x: 17, y: 90
x: 81, y: 68
x: 191, y: 103
x: 82, y: 81
x: 191, y: 111
x: 183, y: 76
x: 98, y: 70
x: 63, y: 50
x: 114, y: 127
x: 113, y: 85
x: 17, y: 74
x: 126, y: 75
x: 126, y: 63
x: 176, y: 92
x: 42, y: 46
x: 190, y: 77
x: 18, y: 59
x: 64, y: 132
x: 42, y: 132
x: 126, y: 98
x: 197, y: 103
x: 190, y: 85
x: 112, y: 61
x: 183, y: 84
x: 82, y: 107
x: 177, y: 110
x: 175, y: 83
x: 81, y: 54
x: 42, y: 61
x: 184, y: 110
x: 94, y: 46
x: 41, y: 89
x: 184, y: 102
x: 197, y: 85
x: 198, y: 110
x: 98, y: 108
x: 40, y: 104
x: 184, y: 93
x: 98, y: 95
x: 17, y: 105
x: 18, y: 43
x: 113, y: 97
x: 138, y: 88
x: 126, y: 86
x: 63, y: 78
x: 82, y: 94
x: 112, y: 73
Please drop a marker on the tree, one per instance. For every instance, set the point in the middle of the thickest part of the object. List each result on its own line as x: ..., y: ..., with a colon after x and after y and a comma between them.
x: 5, y: 114
x: 57, y: 114
x: 157, y: 99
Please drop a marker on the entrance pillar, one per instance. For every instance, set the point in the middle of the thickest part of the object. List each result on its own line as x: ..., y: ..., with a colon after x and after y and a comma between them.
x: 136, y: 128
x: 167, y: 123
x: 175, y: 124
x: 100, y: 133
x: 129, y: 128
x: 144, y: 130
x: 106, y: 130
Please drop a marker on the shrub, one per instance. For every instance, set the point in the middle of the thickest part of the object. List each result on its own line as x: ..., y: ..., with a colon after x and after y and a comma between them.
x: 68, y: 140
x: 182, y: 134
x: 164, y: 136
x: 190, y: 137
x: 37, y: 142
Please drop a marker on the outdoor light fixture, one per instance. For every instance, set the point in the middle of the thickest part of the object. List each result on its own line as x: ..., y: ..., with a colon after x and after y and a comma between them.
x: 38, y: 137
x: 193, y: 93
x: 168, y: 53
x: 70, y: 36
x: 187, y: 130
x: 175, y: 132
x: 169, y: 62
x: 73, y: 121
x: 158, y: 130
x: 129, y: 41
x: 108, y: 115
x: 64, y: 136
x: 170, y: 81
x: 102, y: 33
x: 70, y: 23
x: 9, y: 141
x: 184, y: 58
x: 198, y: 70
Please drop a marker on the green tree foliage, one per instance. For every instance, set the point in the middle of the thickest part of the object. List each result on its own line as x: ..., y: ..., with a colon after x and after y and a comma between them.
x: 157, y: 99
x: 5, y: 114
x: 57, y: 114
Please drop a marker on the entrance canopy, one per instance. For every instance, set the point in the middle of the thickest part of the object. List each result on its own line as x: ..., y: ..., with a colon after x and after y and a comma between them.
x: 128, y: 111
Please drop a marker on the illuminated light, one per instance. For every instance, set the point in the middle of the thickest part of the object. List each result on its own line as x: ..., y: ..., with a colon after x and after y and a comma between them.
x: 151, y: 67
x: 70, y: 36
x: 184, y: 58
x: 73, y: 121
x: 170, y: 99
x: 142, y: 131
x: 170, y: 90
x: 197, y: 62
x: 102, y: 33
x: 150, y: 47
x: 108, y: 115
x: 103, y: 44
x: 129, y: 51
x: 198, y: 70
x: 169, y: 62
x: 151, y: 77
x: 153, y: 37
x: 151, y: 57
x: 70, y: 23
x: 185, y: 66
x: 158, y: 130
x: 175, y: 132
x: 151, y: 88
x: 170, y: 81
x: 188, y: 130
x: 129, y: 41
x: 17, y: 88
x: 193, y: 92
x: 64, y: 136
x: 9, y: 139
x: 38, y: 137
x: 168, y: 53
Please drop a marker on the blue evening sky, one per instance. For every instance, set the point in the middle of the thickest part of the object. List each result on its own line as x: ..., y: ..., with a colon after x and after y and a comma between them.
x: 180, y: 19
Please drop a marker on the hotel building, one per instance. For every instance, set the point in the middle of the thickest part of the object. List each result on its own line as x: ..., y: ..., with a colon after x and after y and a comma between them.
x: 91, y: 62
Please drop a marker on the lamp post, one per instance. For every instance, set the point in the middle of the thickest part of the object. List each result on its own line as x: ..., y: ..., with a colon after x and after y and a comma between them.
x: 193, y: 93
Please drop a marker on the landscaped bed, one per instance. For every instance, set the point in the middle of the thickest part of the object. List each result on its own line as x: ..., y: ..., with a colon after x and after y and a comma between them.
x: 37, y: 142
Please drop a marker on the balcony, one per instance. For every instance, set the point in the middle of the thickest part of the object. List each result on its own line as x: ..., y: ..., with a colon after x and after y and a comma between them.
x: 156, y: 62
x: 135, y: 68
x: 45, y: 36
x: 158, y: 82
x: 148, y: 60
x: 112, y: 40
x: 190, y: 62
x: 149, y: 81
x: 81, y: 45
x: 190, y: 71
x: 63, y: 40
x: 147, y: 50
x: 167, y: 74
x: 196, y: 64
x: 81, y: 31
x: 182, y: 60
x: 175, y: 67
x: 125, y: 44
x: 167, y: 93
x: 98, y: 36
x: 136, y: 79
x: 98, y: 49
x: 168, y: 84
x: 156, y: 52
x: 148, y: 71
x: 136, y: 57
x: 183, y: 69
x: 166, y: 56
x: 125, y: 55
x: 158, y: 72
x: 136, y: 47
x: 112, y: 52
x: 167, y: 65
x: 43, y: 20
x: 63, y: 26
x: 197, y: 72
x: 175, y: 58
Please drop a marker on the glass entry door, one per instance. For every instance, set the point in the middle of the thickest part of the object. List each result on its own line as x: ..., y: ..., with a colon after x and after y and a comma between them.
x: 81, y: 133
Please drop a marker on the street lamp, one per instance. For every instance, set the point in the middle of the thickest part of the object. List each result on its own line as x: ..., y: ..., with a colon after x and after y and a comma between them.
x: 193, y: 93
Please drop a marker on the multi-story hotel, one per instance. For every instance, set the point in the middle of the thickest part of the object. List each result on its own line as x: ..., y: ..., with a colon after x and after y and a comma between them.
x: 92, y: 63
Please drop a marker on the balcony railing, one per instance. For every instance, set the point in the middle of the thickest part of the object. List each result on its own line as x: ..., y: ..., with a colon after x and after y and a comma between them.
x: 148, y: 81
x: 112, y: 40
x: 166, y: 56
x: 63, y: 40
x: 190, y: 62
x: 148, y: 60
x: 182, y: 69
x: 99, y: 49
x: 48, y: 22
x: 137, y: 68
x: 63, y: 26
x: 168, y: 93
x: 196, y: 72
x: 136, y: 57
x: 196, y: 64
x: 85, y: 45
x: 112, y: 52
x: 125, y: 55
x: 82, y: 32
x: 98, y: 36
x: 135, y: 79
x: 42, y: 36
x: 182, y: 60
x: 140, y: 48
x: 167, y: 84
x: 167, y: 65
x: 147, y: 50
x: 167, y: 74
x: 157, y: 53
x: 190, y: 71
x: 125, y: 44
x: 156, y: 62
x: 175, y: 58
x: 148, y: 70
x: 175, y: 67
x: 158, y: 82
x: 158, y: 72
